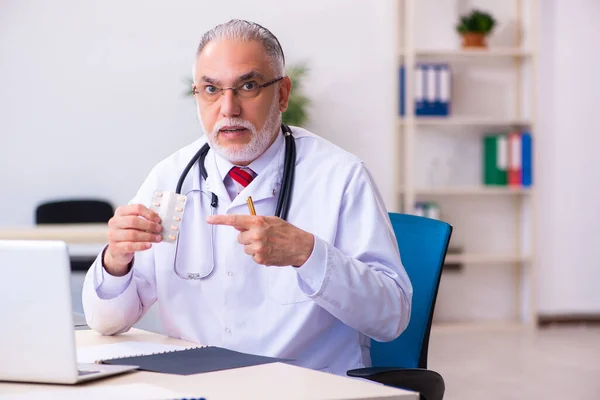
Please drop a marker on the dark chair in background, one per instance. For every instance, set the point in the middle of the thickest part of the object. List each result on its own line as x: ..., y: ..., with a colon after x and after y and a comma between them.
x: 80, y: 211
x: 74, y: 212
x: 402, y: 363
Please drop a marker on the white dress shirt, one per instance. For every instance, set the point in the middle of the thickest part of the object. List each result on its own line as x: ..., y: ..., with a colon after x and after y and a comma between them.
x: 322, y: 314
x: 256, y: 166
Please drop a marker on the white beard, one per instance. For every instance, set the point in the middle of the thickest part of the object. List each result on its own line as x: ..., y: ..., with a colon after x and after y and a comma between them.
x: 259, y: 141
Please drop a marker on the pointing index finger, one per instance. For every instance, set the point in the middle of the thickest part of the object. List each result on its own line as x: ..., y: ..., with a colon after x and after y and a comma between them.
x: 237, y: 221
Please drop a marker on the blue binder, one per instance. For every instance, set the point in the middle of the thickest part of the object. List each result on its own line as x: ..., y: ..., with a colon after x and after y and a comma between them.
x: 420, y: 78
x: 443, y: 90
x: 526, y: 159
x: 402, y: 92
x: 432, y: 90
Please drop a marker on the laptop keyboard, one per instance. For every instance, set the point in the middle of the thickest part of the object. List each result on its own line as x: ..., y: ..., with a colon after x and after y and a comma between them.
x: 83, y: 373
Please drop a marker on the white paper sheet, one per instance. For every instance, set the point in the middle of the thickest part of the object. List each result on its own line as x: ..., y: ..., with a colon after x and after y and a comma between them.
x: 134, y: 391
x: 90, y: 354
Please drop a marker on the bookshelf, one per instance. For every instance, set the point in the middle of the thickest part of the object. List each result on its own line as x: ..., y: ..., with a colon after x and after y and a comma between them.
x: 514, y: 58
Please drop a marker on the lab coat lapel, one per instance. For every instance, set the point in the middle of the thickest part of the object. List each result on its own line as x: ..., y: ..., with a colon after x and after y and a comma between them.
x: 215, y: 181
x: 266, y: 185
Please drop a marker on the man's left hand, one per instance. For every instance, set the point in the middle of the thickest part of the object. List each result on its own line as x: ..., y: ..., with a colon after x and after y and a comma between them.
x: 269, y: 240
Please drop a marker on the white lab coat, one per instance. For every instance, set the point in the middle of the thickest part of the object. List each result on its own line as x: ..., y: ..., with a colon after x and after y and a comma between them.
x: 322, y: 314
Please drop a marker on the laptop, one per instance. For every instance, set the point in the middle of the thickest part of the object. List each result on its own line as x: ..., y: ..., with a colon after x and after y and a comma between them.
x: 37, y: 337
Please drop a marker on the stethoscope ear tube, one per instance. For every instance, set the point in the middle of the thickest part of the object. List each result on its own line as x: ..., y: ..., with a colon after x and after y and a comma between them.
x: 202, y: 152
x: 283, y: 202
x: 214, y: 200
x: 288, y: 177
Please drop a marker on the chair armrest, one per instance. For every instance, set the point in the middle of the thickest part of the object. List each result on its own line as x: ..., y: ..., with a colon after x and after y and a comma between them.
x: 428, y: 383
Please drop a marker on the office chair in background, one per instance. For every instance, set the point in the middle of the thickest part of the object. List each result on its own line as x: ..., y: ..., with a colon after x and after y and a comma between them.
x: 84, y: 211
x: 81, y: 211
x: 402, y: 363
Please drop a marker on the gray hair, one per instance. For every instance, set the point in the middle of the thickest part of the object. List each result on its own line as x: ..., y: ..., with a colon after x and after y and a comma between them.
x: 244, y: 31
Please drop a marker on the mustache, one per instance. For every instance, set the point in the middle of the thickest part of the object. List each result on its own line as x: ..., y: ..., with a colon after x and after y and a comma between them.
x: 233, y: 122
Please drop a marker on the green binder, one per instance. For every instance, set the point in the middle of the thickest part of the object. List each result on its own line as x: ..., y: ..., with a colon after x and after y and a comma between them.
x: 495, y: 159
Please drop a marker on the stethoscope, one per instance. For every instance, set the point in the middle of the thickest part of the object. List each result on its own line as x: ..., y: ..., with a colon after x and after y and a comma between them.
x: 283, y: 201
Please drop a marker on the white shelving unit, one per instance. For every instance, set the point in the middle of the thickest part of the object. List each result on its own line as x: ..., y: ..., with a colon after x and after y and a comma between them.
x: 483, y: 259
x: 469, y: 191
x: 466, y: 121
x: 521, y: 261
x: 460, y: 53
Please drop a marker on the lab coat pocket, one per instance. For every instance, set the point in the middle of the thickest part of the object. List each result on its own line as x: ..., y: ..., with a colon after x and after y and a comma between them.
x: 283, y: 286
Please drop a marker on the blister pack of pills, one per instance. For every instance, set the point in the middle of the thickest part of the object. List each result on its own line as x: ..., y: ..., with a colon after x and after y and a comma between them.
x: 169, y: 206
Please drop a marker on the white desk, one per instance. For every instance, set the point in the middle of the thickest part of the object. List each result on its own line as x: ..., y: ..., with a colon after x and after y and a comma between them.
x: 269, y: 381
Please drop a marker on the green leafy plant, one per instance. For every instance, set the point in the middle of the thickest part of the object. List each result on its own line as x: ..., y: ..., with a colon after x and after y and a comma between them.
x: 188, y: 84
x: 296, y: 113
x: 476, y: 22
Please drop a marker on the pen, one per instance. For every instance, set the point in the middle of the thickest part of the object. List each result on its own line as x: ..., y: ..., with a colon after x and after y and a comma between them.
x: 251, y: 206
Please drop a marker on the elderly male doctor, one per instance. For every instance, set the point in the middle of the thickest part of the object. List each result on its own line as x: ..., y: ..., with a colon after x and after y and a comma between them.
x: 314, y: 288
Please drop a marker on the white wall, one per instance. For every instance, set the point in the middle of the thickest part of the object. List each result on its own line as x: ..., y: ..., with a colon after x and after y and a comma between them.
x: 568, y: 174
x: 91, y: 92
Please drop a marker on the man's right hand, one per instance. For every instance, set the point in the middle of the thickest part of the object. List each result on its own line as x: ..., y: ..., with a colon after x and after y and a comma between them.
x: 133, y: 228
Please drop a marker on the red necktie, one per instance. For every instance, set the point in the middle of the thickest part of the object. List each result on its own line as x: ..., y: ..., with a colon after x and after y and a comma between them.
x: 240, y: 176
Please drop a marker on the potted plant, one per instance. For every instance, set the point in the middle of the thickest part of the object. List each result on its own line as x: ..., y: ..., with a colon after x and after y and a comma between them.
x: 474, y: 28
x: 296, y: 113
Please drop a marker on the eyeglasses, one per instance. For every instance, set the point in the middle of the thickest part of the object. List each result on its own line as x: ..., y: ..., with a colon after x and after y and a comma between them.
x: 247, y: 90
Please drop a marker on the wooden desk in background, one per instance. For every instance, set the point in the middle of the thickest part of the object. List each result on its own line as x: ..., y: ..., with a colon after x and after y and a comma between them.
x: 85, y: 241
x: 269, y: 381
x: 70, y: 233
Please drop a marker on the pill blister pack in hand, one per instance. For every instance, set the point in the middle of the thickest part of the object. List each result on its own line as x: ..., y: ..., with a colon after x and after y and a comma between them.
x: 169, y: 206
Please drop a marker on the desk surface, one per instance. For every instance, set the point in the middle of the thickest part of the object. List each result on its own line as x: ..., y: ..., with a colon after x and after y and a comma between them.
x: 269, y: 381
x: 70, y: 233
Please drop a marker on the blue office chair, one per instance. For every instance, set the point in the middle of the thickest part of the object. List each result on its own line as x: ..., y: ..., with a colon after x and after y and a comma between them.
x: 402, y: 363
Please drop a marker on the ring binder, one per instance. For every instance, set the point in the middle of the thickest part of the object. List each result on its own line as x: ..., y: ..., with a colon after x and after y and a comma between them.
x: 193, y: 360
x: 146, y: 354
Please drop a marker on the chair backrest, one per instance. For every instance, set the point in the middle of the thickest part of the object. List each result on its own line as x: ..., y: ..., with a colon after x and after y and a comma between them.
x: 423, y: 243
x: 74, y: 212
